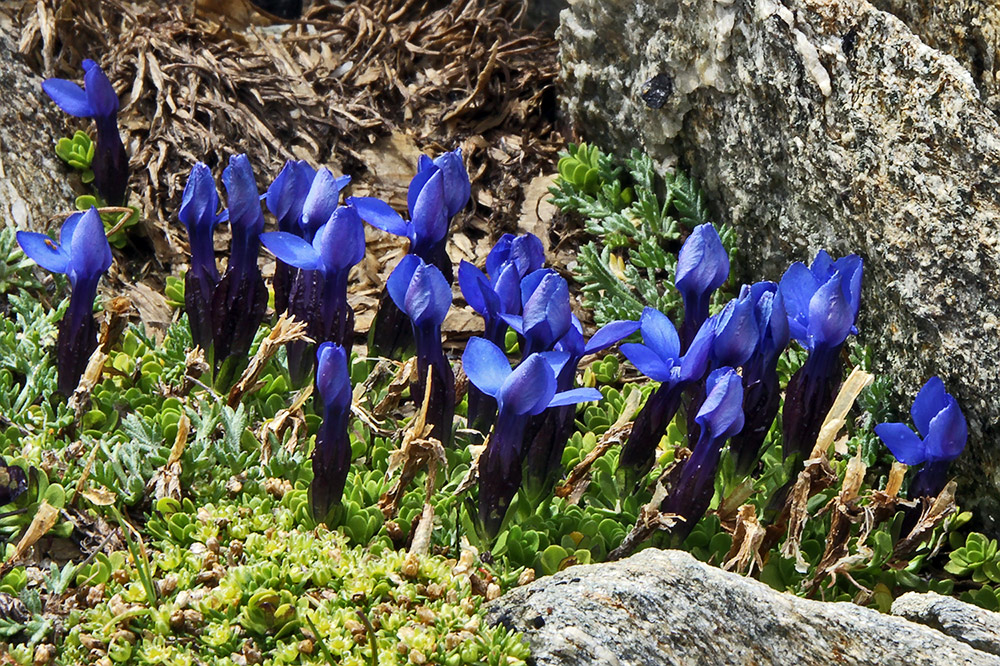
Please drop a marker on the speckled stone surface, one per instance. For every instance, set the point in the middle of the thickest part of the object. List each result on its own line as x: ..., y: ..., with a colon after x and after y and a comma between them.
x: 665, y: 608
x: 970, y: 624
x: 34, y: 183
x: 824, y: 124
x: 966, y: 29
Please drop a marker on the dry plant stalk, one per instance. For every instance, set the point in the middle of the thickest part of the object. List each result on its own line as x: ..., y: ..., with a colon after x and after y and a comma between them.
x: 166, y: 482
x: 835, y: 419
x: 287, y: 329
x: 744, y: 554
x: 45, y: 517
x: 933, y: 515
x: 290, y: 417
x: 846, y: 513
x: 405, y: 375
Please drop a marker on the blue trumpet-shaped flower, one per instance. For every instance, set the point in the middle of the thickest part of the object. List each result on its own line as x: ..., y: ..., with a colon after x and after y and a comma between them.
x: 547, y: 433
x: 761, y: 395
x: 97, y: 101
x: 719, y: 418
x: 284, y: 198
x: 84, y: 255
x: 660, y: 359
x: 510, y: 260
x: 240, y: 297
x: 331, y: 459
x: 702, y: 267
x: 545, y: 311
x: 822, y: 305
x: 525, y: 391
x: 438, y: 191
x: 423, y: 294
x: 943, y: 434
x: 319, y: 294
x: 199, y: 213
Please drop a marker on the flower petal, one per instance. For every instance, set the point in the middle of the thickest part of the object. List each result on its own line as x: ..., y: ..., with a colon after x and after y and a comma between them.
x: 287, y: 193
x: 291, y: 249
x: 428, y: 297
x: 902, y: 442
x: 485, y: 365
x: 575, y: 396
x: 429, y: 218
x: 380, y: 215
x: 529, y: 388
x: 425, y: 169
x: 69, y: 97
x: 200, y: 201
x: 333, y: 379
x: 89, y: 250
x: 322, y: 200
x: 399, y: 280
x: 527, y: 253
x: 797, y: 287
x: 499, y: 255
x: 647, y: 361
x: 830, y: 316
x: 43, y: 251
x: 609, y: 334
x: 508, y: 289
x: 341, y: 241
x: 100, y: 93
x: 722, y: 412
x: 457, y: 188
x: 702, y: 263
x: 931, y: 399
x: 659, y: 334
x: 477, y: 290
x: 948, y: 433
x: 695, y: 361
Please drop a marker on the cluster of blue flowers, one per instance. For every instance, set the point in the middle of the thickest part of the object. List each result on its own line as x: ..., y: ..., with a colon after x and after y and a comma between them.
x: 720, y: 369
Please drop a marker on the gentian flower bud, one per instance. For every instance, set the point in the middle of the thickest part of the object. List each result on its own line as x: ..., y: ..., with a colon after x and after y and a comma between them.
x: 84, y: 255
x: 761, y: 396
x: 284, y: 198
x: 943, y: 434
x: 719, y: 418
x: 659, y: 358
x: 199, y: 213
x: 548, y: 432
x: 545, y: 311
x: 525, y: 391
x: 438, y: 191
x: 822, y: 305
x: 319, y: 296
x: 526, y: 252
x: 422, y: 293
x: 331, y: 459
x: 702, y: 267
x: 240, y: 297
x: 100, y: 102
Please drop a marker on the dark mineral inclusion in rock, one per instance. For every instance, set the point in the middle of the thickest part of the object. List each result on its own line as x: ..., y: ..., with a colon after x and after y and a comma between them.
x: 656, y: 90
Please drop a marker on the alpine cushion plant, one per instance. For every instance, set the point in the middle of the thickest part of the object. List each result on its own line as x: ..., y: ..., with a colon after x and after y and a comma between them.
x: 510, y: 260
x: 100, y: 102
x: 331, y: 458
x: 822, y: 303
x: 84, y: 255
x: 702, y: 267
x: 719, y: 418
x: 199, y: 213
x: 522, y: 392
x: 240, y: 297
x: 423, y: 294
x: 437, y: 193
x: 943, y: 434
x: 660, y: 359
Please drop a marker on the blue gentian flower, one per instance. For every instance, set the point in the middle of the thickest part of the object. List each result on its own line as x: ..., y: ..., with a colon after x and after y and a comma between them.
x: 423, y: 294
x: 100, y: 102
x: 822, y: 305
x: 520, y: 393
x: 762, y: 393
x: 545, y: 311
x: 84, y: 255
x: 702, y: 267
x: 199, y: 213
x: 548, y: 432
x: 660, y: 359
x: 240, y: 297
x: 331, y: 459
x: 719, y: 418
x: 284, y: 198
x: 437, y: 192
x: 943, y: 434
x: 319, y: 294
x: 526, y: 252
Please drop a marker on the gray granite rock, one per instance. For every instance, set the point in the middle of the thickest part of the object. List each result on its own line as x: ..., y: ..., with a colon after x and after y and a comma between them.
x: 34, y: 183
x: 823, y: 124
x: 666, y: 608
x: 966, y: 29
x: 970, y: 624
